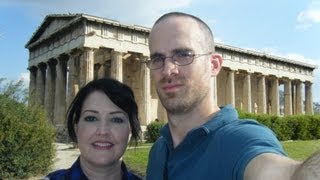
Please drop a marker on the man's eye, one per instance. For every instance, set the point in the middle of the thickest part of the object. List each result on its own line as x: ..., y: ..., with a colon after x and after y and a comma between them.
x: 184, y: 54
x: 90, y: 118
x: 117, y: 120
x: 156, y: 59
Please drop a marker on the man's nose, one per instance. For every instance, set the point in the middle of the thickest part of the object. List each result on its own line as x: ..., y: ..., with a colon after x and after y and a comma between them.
x: 169, y: 67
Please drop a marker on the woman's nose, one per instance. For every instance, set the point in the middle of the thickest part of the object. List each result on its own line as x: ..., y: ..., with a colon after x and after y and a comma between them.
x: 103, y: 128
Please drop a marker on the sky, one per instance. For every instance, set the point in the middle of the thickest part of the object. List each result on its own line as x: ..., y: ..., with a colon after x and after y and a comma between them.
x: 285, y: 28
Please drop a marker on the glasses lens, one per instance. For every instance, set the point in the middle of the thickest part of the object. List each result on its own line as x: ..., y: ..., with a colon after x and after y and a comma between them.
x: 155, y: 63
x: 183, y: 58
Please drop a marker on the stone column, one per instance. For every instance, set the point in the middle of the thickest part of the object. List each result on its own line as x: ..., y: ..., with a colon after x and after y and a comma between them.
x: 71, y: 79
x: 60, y: 92
x: 287, y: 98
x: 32, y: 85
x: 214, y: 88
x: 308, y: 98
x: 50, y: 89
x: 262, y: 95
x: 145, y: 79
x: 162, y: 113
x: 298, y: 98
x: 293, y: 97
x: 41, y: 76
x: 275, y: 97
x: 87, y: 66
x: 230, y: 96
x: 116, y: 66
x: 247, y: 93
x: 101, y: 70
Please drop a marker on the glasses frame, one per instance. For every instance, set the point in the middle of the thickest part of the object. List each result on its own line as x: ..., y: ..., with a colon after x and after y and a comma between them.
x: 173, y: 61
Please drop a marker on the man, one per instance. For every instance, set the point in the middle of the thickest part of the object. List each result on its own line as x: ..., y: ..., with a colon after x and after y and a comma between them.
x: 202, y: 141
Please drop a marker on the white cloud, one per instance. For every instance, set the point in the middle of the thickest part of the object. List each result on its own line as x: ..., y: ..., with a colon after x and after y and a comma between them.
x: 25, y: 77
x: 308, y: 17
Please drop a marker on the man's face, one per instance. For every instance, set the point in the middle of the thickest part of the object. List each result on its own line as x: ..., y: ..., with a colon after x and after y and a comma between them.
x: 180, y: 88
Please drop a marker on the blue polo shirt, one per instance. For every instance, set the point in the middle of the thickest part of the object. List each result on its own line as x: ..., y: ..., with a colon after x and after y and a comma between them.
x: 219, y: 149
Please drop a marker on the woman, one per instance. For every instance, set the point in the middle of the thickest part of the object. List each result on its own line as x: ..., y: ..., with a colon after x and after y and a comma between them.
x: 101, y: 119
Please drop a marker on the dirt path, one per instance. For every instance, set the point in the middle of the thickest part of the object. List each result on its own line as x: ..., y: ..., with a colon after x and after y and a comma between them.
x: 65, y: 156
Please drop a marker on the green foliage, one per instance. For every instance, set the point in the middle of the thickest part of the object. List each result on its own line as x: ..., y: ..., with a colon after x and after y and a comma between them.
x: 295, y: 127
x: 137, y: 159
x: 153, y: 131
x: 300, y: 150
x: 14, y: 90
x: 26, y: 138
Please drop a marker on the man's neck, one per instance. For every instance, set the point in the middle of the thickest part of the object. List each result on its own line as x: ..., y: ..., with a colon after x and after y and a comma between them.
x: 181, y: 124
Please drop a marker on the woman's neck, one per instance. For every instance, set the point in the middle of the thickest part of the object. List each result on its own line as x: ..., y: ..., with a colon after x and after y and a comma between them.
x: 112, y: 172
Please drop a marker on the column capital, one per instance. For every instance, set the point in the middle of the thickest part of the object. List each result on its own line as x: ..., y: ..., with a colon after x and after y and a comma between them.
x: 116, y: 52
x: 42, y: 65
x: 52, y: 62
x: 32, y: 68
x: 63, y: 57
x: 74, y: 53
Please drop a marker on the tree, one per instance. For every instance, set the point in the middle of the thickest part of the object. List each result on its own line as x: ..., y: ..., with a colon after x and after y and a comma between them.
x: 26, y: 138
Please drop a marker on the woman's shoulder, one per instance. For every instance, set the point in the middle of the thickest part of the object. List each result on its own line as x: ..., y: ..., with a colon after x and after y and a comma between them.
x: 133, y: 176
x: 59, y: 174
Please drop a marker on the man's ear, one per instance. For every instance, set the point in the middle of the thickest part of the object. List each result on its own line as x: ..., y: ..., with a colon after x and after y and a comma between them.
x: 216, y: 64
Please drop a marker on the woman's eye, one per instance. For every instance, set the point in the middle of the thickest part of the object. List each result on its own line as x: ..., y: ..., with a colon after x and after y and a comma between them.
x: 117, y: 120
x: 90, y: 118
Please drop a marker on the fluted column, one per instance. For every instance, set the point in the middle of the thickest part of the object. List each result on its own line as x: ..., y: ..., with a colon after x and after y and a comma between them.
x: 41, y: 76
x: 87, y: 66
x: 275, y: 97
x: 101, y: 71
x: 287, y: 98
x: 72, y: 76
x: 32, y: 85
x: 298, y: 98
x: 49, y: 99
x: 116, y: 66
x: 214, y: 88
x: 230, y: 96
x: 262, y: 95
x: 144, y: 93
x: 309, y: 102
x: 161, y: 112
x: 60, y: 91
x: 247, y: 93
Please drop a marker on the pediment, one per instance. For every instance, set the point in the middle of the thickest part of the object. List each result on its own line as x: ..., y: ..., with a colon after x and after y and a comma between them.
x: 50, y: 25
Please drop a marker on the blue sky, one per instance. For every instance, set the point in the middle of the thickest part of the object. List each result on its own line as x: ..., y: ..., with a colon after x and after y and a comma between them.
x: 285, y: 28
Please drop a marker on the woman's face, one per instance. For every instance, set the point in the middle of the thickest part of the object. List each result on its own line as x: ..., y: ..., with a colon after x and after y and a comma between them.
x: 102, y: 131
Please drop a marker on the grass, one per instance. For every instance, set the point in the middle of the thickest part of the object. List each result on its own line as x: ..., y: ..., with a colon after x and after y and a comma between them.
x: 137, y: 158
x: 300, y: 150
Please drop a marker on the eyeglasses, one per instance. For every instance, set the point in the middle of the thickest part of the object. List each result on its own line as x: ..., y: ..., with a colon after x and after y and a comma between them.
x: 179, y: 58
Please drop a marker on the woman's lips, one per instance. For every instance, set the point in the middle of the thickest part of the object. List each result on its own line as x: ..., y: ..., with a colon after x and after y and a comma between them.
x: 102, y: 145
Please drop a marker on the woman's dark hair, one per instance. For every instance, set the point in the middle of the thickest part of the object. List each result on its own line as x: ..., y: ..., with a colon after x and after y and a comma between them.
x: 119, y: 93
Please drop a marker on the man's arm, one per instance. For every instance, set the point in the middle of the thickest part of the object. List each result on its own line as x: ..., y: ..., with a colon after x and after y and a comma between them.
x: 272, y: 166
x: 309, y: 169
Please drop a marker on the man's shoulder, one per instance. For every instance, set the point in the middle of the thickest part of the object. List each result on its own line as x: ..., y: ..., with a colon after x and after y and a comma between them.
x: 160, y: 143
